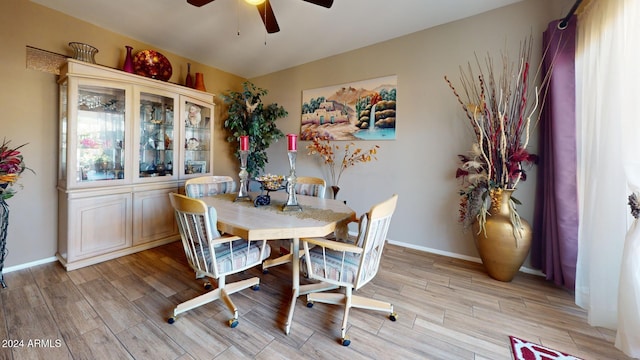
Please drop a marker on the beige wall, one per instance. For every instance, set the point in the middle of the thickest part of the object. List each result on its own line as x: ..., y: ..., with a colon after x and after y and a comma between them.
x: 29, y: 108
x: 419, y: 165
x: 431, y: 129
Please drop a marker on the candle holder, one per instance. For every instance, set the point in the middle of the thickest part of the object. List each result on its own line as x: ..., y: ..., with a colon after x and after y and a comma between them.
x: 243, y: 193
x: 292, y: 200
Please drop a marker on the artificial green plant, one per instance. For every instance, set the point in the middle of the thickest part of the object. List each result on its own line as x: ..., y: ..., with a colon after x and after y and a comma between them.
x: 248, y: 115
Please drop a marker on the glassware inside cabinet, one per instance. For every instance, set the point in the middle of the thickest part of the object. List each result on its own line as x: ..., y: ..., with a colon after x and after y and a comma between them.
x: 101, y: 134
x: 156, y: 148
x: 197, y: 139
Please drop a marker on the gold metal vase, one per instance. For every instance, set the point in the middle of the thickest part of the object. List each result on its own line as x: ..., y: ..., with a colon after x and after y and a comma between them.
x: 502, y: 250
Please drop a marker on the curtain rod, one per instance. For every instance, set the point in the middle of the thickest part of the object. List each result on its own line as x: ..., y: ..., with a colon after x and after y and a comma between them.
x: 563, y: 24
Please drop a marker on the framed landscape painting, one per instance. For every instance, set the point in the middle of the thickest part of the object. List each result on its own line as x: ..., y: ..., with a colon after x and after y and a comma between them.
x: 363, y: 110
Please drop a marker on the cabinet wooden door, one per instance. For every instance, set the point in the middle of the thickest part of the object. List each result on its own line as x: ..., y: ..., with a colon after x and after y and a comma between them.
x: 98, y: 225
x: 153, y: 216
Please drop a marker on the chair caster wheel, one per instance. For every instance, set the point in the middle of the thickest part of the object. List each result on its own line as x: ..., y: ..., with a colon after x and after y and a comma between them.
x: 207, y: 286
x: 233, y: 323
x: 265, y: 271
x: 345, y: 341
x: 309, y: 304
x: 171, y: 320
x: 393, y: 316
x: 255, y: 287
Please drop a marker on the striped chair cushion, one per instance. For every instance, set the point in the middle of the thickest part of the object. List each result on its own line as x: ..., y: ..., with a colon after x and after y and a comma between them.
x: 228, y: 260
x: 210, y: 189
x: 336, y: 269
x: 308, y: 189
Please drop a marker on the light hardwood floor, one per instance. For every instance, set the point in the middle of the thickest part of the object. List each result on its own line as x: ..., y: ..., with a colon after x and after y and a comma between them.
x: 447, y: 309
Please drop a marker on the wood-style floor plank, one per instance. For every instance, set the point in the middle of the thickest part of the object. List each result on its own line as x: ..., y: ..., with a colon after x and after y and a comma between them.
x: 73, y: 315
x: 147, y: 341
x: 99, y: 343
x: 447, y: 309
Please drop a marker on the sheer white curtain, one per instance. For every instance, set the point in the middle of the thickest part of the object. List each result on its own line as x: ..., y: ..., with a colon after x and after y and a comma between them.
x: 608, y: 129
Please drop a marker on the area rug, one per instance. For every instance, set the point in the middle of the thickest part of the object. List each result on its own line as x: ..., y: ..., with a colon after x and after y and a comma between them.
x: 525, y: 350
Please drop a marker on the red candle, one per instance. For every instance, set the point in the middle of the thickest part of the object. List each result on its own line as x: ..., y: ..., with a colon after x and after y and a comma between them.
x: 293, y: 146
x: 244, y: 143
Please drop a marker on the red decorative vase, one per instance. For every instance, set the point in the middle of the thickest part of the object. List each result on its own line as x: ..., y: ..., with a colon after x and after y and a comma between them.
x: 128, y: 60
x: 200, y: 82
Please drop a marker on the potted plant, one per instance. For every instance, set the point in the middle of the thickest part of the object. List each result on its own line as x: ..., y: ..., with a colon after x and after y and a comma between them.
x: 500, y: 109
x: 248, y: 115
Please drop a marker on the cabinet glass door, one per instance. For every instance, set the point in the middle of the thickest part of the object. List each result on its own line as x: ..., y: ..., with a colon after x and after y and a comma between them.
x: 156, y: 135
x: 197, y: 139
x: 100, y: 134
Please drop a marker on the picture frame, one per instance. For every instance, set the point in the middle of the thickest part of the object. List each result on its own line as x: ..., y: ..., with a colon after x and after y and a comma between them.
x: 360, y: 110
x: 195, y: 167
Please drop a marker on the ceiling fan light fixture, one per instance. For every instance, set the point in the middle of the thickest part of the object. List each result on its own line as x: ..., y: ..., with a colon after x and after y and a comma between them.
x: 255, y: 2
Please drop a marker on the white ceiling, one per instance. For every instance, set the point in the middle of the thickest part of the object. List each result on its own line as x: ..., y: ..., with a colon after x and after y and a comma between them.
x: 209, y: 34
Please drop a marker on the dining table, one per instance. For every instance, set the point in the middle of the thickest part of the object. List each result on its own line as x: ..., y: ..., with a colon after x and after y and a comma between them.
x: 316, y: 217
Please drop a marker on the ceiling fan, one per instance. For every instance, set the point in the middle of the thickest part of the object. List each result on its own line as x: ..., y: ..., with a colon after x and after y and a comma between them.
x: 265, y: 10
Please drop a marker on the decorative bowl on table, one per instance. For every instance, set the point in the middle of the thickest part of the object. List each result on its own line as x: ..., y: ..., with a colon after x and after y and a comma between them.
x: 268, y: 183
x: 152, y: 64
x: 271, y: 182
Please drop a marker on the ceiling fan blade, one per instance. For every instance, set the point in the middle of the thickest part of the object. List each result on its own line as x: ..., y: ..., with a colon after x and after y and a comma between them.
x: 324, y: 3
x: 268, y: 17
x: 199, y: 3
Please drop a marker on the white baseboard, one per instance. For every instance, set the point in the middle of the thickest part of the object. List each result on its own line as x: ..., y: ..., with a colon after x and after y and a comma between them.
x: 456, y: 256
x: 29, y: 264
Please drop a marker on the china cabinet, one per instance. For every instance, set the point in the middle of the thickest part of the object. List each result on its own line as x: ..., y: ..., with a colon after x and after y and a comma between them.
x: 126, y: 142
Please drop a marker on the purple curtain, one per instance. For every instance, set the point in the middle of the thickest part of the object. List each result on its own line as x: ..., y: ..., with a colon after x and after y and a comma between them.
x: 555, y: 242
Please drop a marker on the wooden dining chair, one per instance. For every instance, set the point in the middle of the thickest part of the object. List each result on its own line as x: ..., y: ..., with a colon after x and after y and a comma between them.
x: 350, y: 266
x: 305, y: 185
x: 214, y: 256
x: 209, y: 186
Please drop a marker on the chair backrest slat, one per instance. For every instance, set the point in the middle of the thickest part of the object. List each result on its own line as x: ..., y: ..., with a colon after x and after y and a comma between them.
x: 374, y: 240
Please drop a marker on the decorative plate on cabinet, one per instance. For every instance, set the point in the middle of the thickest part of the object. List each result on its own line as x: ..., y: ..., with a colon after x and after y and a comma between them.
x: 152, y: 64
